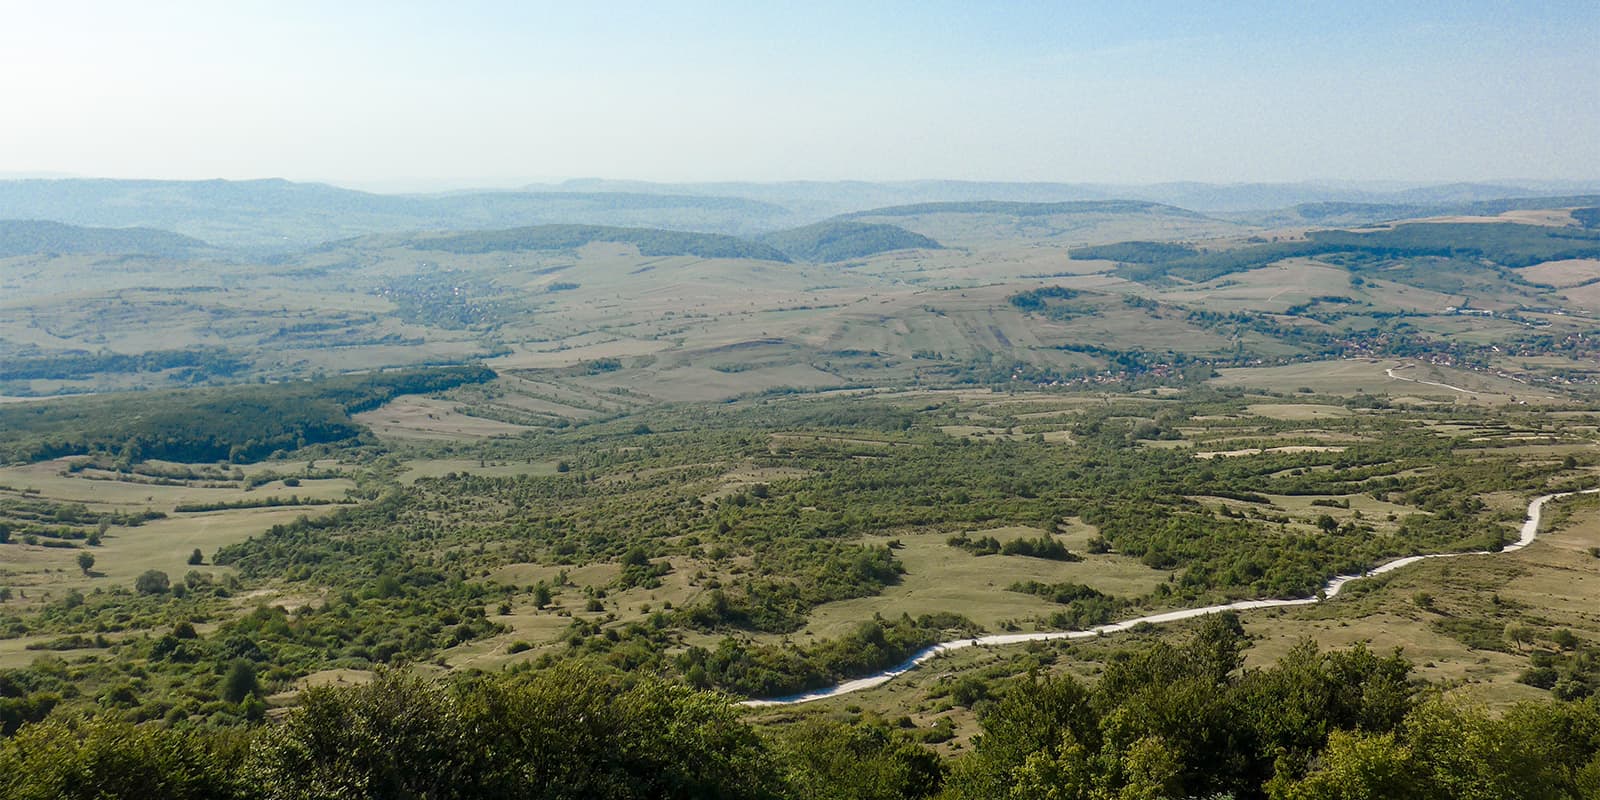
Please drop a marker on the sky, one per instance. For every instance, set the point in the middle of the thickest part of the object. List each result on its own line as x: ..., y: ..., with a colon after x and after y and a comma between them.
x: 406, y: 94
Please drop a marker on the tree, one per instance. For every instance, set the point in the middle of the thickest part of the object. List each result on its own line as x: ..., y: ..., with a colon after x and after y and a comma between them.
x: 196, y: 557
x: 1519, y: 634
x: 1356, y: 767
x: 1039, y: 732
x: 105, y: 757
x: 152, y: 581
x: 541, y: 595
x: 240, y: 682
x: 402, y: 735
x: 85, y: 562
x: 837, y: 761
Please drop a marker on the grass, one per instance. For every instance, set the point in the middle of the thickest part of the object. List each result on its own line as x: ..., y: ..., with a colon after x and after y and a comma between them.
x: 1551, y: 584
x: 50, y: 480
x: 432, y: 419
x: 1570, y: 272
x: 1548, y: 585
x: 165, y: 545
x: 1345, y: 377
x: 941, y: 578
x: 160, y: 544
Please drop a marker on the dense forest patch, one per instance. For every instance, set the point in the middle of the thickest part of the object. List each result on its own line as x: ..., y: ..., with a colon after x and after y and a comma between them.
x: 31, y: 237
x: 1023, y: 209
x: 1165, y: 720
x: 650, y: 241
x: 240, y: 423
x: 841, y: 240
x: 1504, y: 244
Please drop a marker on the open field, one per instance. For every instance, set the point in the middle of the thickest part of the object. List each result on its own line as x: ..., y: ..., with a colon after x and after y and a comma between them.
x: 1563, y: 274
x: 1400, y: 379
x: 427, y: 418
x: 45, y: 573
x: 1547, y: 586
x: 942, y: 578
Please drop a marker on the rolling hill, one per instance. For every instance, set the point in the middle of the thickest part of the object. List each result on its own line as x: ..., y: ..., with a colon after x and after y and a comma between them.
x: 650, y: 241
x: 35, y: 237
x: 1501, y: 243
x: 841, y: 240
x: 277, y: 215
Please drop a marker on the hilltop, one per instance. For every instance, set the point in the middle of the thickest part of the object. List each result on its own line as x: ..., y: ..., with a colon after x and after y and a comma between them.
x: 282, y: 215
x: 650, y: 241
x: 278, y: 216
x: 841, y: 240
x: 40, y: 237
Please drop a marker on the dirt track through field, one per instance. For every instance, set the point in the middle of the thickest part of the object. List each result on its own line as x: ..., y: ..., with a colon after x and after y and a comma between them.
x: 1390, y: 373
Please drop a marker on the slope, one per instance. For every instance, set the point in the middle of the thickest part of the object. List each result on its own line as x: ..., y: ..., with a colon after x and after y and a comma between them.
x: 841, y: 240
x: 39, y: 237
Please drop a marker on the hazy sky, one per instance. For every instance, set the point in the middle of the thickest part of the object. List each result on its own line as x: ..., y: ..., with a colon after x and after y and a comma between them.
x: 501, y: 92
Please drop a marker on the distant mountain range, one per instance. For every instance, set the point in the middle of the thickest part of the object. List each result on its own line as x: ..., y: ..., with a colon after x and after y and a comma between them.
x: 829, y: 241
x: 1337, y: 213
x: 830, y: 198
x: 266, y: 216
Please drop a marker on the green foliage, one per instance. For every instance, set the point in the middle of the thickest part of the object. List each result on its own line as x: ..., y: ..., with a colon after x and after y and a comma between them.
x: 1445, y: 752
x: 33, y: 237
x: 1134, y: 252
x: 1572, y: 673
x: 650, y: 241
x: 1086, y: 606
x: 152, y: 581
x: 414, y: 570
x: 1165, y: 721
x: 1180, y: 722
x: 1043, y: 546
x: 840, y: 240
x: 240, y: 682
x: 829, y: 760
x: 196, y: 364
x: 555, y: 734
x: 778, y: 670
x: 1034, y: 299
x: 243, y: 423
x: 1024, y: 209
x: 103, y: 758
x: 1504, y: 244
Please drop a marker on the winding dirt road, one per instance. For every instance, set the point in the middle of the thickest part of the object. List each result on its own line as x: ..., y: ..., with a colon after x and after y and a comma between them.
x: 1390, y: 373
x: 1530, y: 530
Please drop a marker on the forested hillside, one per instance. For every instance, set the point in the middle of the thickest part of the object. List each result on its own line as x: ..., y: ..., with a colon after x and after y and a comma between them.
x: 1163, y: 721
x: 1504, y: 244
x: 650, y: 242
x: 1018, y: 209
x: 240, y: 423
x: 843, y: 240
x: 38, y: 237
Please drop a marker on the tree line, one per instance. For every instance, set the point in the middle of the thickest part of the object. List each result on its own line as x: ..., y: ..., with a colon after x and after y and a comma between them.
x: 1163, y: 721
